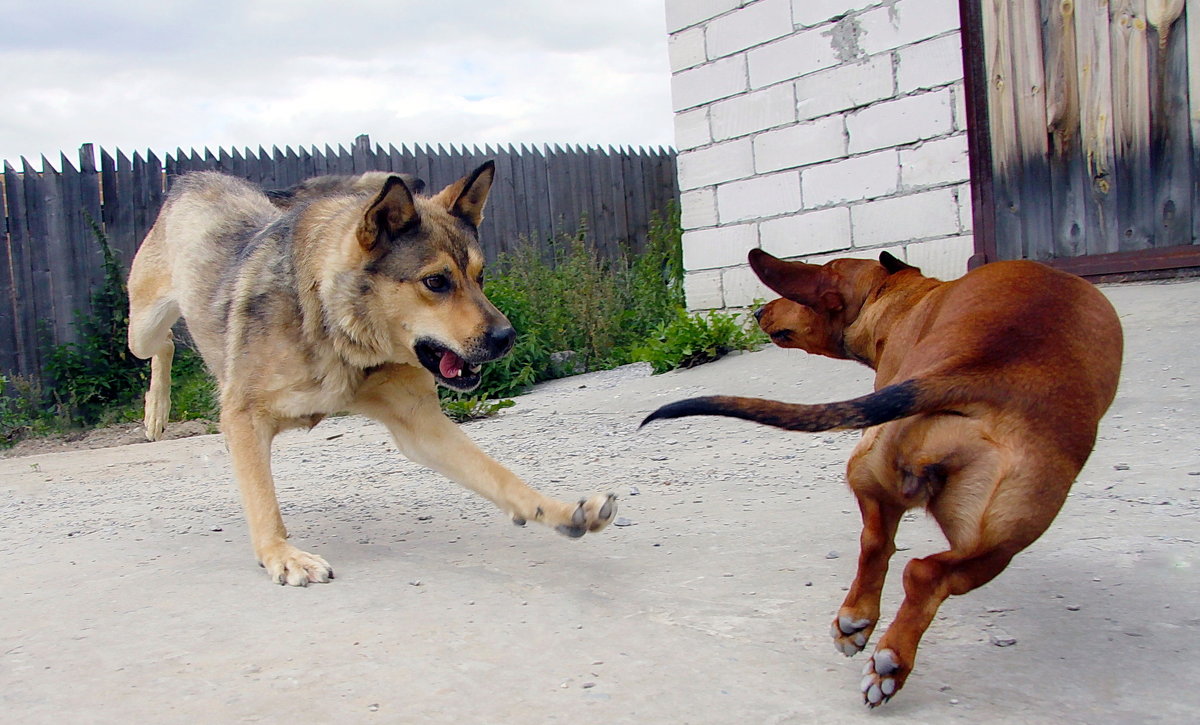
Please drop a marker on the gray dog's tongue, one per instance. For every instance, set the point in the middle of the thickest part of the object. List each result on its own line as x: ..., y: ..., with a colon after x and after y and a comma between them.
x: 450, y: 365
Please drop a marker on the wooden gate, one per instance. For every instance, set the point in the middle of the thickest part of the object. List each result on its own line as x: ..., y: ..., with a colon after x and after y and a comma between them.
x: 1084, y: 123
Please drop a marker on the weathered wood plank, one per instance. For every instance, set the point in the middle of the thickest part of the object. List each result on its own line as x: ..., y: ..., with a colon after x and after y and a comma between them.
x: 1192, y: 33
x: 1131, y: 123
x: 1029, y: 80
x: 41, y: 220
x: 127, y: 202
x: 86, y: 260
x: 538, y: 191
x: 28, y: 351
x: 154, y: 191
x: 1068, y: 178
x: 1097, y: 134
x: 360, y: 152
x: 8, y: 310
x: 89, y: 210
x: 1170, y: 137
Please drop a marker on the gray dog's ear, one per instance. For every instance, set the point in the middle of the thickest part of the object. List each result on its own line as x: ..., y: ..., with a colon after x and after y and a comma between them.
x: 465, y: 198
x: 414, y: 184
x: 391, y: 214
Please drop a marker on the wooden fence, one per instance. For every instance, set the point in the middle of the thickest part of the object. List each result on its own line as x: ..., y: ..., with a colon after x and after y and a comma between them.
x: 1092, y: 132
x: 50, y: 261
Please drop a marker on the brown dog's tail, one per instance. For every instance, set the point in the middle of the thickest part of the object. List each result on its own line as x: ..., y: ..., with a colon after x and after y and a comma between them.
x: 891, y: 403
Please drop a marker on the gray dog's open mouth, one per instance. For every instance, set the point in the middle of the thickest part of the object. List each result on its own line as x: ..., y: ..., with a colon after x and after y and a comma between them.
x: 450, y: 369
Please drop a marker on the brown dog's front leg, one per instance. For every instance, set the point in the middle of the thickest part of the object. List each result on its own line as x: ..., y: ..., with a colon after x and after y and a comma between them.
x: 249, y: 439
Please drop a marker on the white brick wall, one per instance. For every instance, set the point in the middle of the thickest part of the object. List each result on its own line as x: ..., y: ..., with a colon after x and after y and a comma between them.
x: 715, y: 164
x: 684, y: 13
x: 816, y: 129
x: 861, y: 177
x: 800, y: 144
x: 754, y: 24
x: 709, y: 82
x: 755, y: 111
x: 762, y: 196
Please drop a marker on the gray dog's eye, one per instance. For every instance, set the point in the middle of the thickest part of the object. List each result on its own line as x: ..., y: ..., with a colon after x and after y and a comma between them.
x: 437, y: 283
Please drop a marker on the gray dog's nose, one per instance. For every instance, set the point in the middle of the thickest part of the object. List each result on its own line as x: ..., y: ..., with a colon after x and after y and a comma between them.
x: 500, y: 340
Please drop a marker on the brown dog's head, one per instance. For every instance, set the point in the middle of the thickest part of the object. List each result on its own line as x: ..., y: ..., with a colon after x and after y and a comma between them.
x: 418, y: 280
x: 818, y: 302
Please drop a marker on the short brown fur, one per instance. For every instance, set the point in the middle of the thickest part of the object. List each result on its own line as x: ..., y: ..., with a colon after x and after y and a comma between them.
x: 989, y: 391
x: 358, y: 295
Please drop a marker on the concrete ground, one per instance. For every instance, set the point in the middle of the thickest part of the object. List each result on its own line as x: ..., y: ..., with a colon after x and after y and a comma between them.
x: 131, y: 594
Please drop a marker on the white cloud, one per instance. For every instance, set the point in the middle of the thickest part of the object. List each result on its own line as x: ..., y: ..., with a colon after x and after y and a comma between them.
x: 226, y: 73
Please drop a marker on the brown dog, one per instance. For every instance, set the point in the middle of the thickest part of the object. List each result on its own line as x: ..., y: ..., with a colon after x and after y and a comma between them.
x: 987, y: 397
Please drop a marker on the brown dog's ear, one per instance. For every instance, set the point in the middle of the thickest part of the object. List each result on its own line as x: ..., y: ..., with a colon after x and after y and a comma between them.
x: 892, y: 264
x: 391, y: 214
x: 465, y: 198
x: 808, y: 284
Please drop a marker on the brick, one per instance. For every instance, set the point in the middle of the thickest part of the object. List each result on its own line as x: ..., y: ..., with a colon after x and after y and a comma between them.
x: 792, y: 57
x: 929, y: 64
x: 935, y: 163
x: 741, y: 287
x: 905, y: 218
x: 703, y: 290
x: 895, y: 251
x: 718, y: 247
x: 708, y: 82
x: 698, y: 208
x: 715, y: 164
x: 906, y: 22
x: 685, y: 13
x: 753, y: 24
x: 844, y: 87
x: 863, y: 177
x: 691, y: 129
x: 813, y: 232
x: 800, y: 144
x: 762, y: 196
x: 941, y: 258
x: 966, y: 220
x: 686, y: 49
x: 812, y: 12
x: 960, y: 106
x: 757, y: 111
x: 902, y: 121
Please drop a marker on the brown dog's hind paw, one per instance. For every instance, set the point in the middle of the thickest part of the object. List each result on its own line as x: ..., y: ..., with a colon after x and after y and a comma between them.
x: 851, y: 635
x: 883, y: 676
x: 592, y: 514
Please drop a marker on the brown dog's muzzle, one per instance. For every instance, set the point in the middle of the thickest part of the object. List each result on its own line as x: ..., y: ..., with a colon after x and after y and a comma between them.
x: 793, y: 325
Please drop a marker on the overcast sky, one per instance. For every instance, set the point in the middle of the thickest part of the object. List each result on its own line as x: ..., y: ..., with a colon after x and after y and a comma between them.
x: 161, y: 74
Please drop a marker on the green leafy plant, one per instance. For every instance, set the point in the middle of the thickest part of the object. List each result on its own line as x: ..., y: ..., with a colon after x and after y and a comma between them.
x: 88, y: 378
x: 22, y: 412
x: 690, y: 340
x: 573, y: 300
x: 194, y: 393
x: 475, y: 407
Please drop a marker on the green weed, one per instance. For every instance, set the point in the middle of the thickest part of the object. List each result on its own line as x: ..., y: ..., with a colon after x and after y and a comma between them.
x: 691, y: 340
